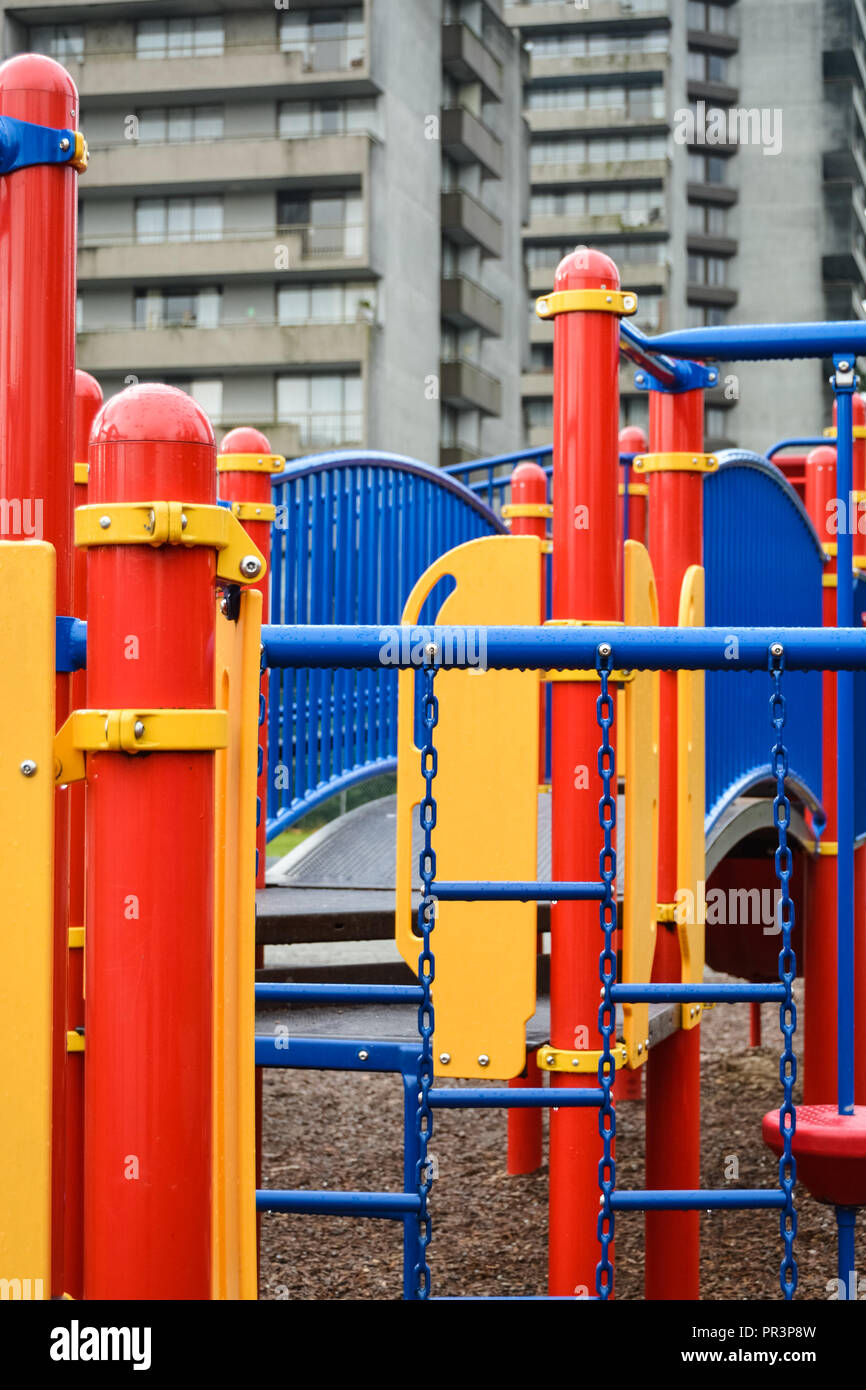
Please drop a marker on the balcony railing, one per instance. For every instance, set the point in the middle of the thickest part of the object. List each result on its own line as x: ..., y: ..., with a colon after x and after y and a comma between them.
x: 341, y: 239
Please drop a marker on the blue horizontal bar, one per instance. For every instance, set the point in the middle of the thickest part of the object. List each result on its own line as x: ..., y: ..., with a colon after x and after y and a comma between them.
x: 808, y: 442
x: 539, y: 648
x: 762, y: 341
x: 496, y: 460
x: 517, y: 892
x: 70, y: 643
x: 712, y: 1199
x: 511, y: 1298
x: 552, y: 1098
x: 701, y: 994
x: 335, y: 1054
x: 340, y: 994
x: 393, y: 1206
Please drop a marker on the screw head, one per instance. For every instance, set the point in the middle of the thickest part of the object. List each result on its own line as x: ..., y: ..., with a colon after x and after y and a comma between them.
x: 250, y: 566
x: 575, y: 1062
x: 64, y: 143
x: 444, y: 1058
x: 776, y: 649
x: 363, y: 1055
x: 844, y: 366
x: 184, y: 522
x: 604, y: 649
x: 105, y: 522
x: 484, y: 1060
x: 138, y: 728
x: 542, y: 306
x: 628, y: 301
x: 550, y: 1059
x: 28, y: 768
x: 431, y: 651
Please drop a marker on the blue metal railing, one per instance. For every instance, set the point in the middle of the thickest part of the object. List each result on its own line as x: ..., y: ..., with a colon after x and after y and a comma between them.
x: 352, y: 535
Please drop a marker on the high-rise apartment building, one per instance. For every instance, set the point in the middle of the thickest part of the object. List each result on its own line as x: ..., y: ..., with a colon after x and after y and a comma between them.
x: 307, y: 214
x: 716, y: 150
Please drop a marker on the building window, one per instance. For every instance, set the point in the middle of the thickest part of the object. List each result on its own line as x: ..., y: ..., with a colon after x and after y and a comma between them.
x: 638, y: 202
x: 576, y: 44
x: 195, y: 308
x: 623, y: 252
x: 706, y: 219
x: 178, y: 219
x: 200, y: 37
x: 332, y: 225
x: 706, y: 315
x: 708, y: 270
x: 327, y: 40
x: 637, y: 102
x: 304, y: 118
x: 541, y: 357
x: 325, y: 303
x: 707, y: 168
x: 538, y: 414
x: 713, y: 19
x: 160, y: 125
x: 715, y: 422
x: 706, y: 67
x: 65, y: 42
x: 604, y: 149
x: 326, y: 408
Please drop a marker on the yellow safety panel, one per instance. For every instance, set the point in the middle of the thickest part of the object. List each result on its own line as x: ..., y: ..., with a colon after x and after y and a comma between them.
x: 486, y: 790
x: 640, y: 851
x: 26, y: 908
x: 233, y: 1210
x: 691, y: 736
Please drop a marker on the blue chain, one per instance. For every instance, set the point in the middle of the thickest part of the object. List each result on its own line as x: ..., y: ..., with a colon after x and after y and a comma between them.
x: 606, y: 972
x: 787, y: 970
x: 426, y: 973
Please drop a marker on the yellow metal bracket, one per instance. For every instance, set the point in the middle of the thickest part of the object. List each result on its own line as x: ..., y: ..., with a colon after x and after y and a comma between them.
x: 254, y: 511
x: 174, y: 523
x: 134, y: 731
x: 634, y: 489
x: 829, y: 581
x: 250, y: 463
x: 620, y: 302
x: 857, y: 432
x: 75, y: 939
x: 527, y: 509
x: 666, y: 912
x: 74, y: 1041
x: 675, y: 463
x: 81, y: 473
x: 582, y: 1063
x: 830, y: 847
x: 81, y: 155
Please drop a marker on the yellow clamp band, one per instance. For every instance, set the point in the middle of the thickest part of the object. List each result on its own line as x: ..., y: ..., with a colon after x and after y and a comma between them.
x: 81, y: 154
x: 666, y: 912
x: 583, y: 1063
x: 135, y: 731
x: 829, y: 847
x: 858, y: 494
x: 250, y: 463
x: 75, y: 938
x: 828, y: 581
x: 634, y: 489
x: 80, y: 472
x: 583, y: 622
x: 831, y: 548
x: 621, y: 302
x: 615, y: 677
x: 676, y: 463
x: 857, y: 432
x: 254, y: 511
x: 174, y: 523
x: 74, y: 1041
x: 527, y: 509
x: 858, y: 562
x: 547, y: 547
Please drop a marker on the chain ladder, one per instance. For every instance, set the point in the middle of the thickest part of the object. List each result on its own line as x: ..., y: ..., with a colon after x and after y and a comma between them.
x: 787, y: 970
x: 606, y: 972
x: 426, y: 973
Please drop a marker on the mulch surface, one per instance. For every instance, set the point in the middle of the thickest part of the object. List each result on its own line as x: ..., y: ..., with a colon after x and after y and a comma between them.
x: 335, y: 1130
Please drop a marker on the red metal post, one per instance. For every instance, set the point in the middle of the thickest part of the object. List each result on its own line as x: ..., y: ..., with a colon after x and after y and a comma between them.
x: 754, y: 1024
x: 586, y: 468
x: 88, y: 399
x: 632, y: 440
x: 819, y: 927
x: 150, y: 835
x: 37, y: 352
x: 673, y: 1085
x: 529, y: 518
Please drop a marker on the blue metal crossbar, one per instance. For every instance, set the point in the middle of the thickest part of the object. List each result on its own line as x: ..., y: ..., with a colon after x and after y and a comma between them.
x: 530, y: 1097
x: 393, y: 1206
x: 540, y: 648
x: 338, y: 994
x: 518, y: 892
x: 759, y: 342
x: 806, y: 442
x: 698, y: 994
x: 700, y: 1199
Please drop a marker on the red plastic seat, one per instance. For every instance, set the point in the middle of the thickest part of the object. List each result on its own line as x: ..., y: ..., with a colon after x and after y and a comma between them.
x: 830, y: 1150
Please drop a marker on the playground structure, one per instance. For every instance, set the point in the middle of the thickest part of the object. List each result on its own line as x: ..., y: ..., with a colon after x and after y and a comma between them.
x: 622, y: 664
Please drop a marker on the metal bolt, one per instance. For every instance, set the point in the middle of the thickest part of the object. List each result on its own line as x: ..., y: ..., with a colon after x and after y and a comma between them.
x: 28, y: 768
x: 628, y: 302
x: 542, y: 306
x: 575, y: 1061
x: 138, y: 728
x: 64, y: 143
x: 640, y: 1048
x: 844, y: 366
x: 776, y: 649
x: 444, y: 1058
x: 604, y: 649
x: 484, y: 1060
x: 550, y: 1059
x: 250, y: 566
x: 431, y: 651
x: 647, y: 1044
x: 363, y: 1055
x: 105, y: 522
x: 608, y: 299
x: 183, y: 521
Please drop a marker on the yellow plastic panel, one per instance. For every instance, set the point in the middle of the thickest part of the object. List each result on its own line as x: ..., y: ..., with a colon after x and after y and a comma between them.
x: 235, y: 1274
x: 26, y: 910
x: 486, y: 790
x: 641, y: 697
x: 691, y: 735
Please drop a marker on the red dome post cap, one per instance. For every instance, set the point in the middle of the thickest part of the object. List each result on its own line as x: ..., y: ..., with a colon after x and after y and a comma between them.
x: 245, y: 440
x: 34, y: 72
x: 530, y: 475
x: 633, y: 440
x: 830, y: 1150
x: 823, y: 455
x: 87, y: 387
x: 152, y: 413
x: 586, y: 268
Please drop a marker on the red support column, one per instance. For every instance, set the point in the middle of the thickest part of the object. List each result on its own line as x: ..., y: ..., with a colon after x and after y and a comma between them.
x: 586, y: 468
x: 632, y: 440
x: 37, y: 352
x: 819, y: 927
x: 529, y: 511
x: 88, y: 399
x: 673, y: 1084
x: 150, y: 903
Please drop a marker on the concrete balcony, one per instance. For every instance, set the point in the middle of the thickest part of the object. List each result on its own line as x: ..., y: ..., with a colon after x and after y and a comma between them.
x: 583, y: 226
x: 574, y: 120
x: 452, y: 454
x: 635, y: 275
x: 241, y: 69
x: 536, y: 385
x: 340, y: 251
x: 467, y: 304
x: 337, y: 161
x: 466, y: 386
x: 467, y: 140
x: 468, y: 59
x: 542, y: 16
x: 466, y: 222
x: 626, y: 171
x: 236, y: 347
x: 283, y: 438
x: 599, y: 65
